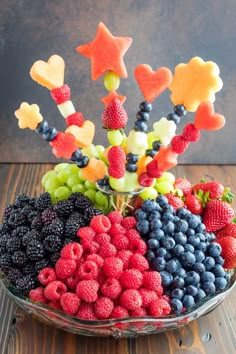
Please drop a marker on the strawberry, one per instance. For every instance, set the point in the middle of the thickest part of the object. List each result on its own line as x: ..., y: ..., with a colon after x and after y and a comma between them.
x: 193, y: 204
x: 174, y: 200
x: 184, y: 185
x: 215, y: 189
x: 153, y: 170
x: 114, y: 116
x: 229, y: 230
x: 228, y: 245
x: 217, y: 215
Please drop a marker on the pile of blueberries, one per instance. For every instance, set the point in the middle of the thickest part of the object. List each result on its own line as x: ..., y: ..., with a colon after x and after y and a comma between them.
x: 188, y: 259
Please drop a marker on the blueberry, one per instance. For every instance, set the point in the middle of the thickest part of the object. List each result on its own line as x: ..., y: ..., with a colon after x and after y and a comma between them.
x: 131, y: 167
x: 202, y: 246
x: 167, y: 208
x: 174, y: 117
x: 162, y: 200
x: 168, y: 256
x: 191, y: 290
x: 167, y: 278
x: 168, y: 227
x: 190, y: 232
x: 42, y: 127
x: 140, y: 214
x: 187, y: 259
x: 181, y: 272
x: 207, y: 277
x: 140, y: 126
x: 150, y: 255
x: 178, y: 250
x: 183, y: 212
x: 157, y: 234
x: 158, y: 264
x: 220, y: 283
x: 145, y: 106
x: 192, y: 278
x: 141, y: 115
x: 209, y: 262
x: 200, y: 256
x: 103, y: 182
x: 83, y: 162
x: 210, y: 236
x: 201, y: 236
x: 181, y: 226
x: 154, y: 215
x: 201, y: 228
x: 177, y: 293
x: 148, y: 205
x: 188, y: 301
x: 208, y: 287
x: 156, y: 145
x: 180, y: 110
x: 200, y: 295
x: 155, y: 224
x: 189, y: 248
x: 168, y: 242
x: 50, y: 134
x: 218, y: 270
x: 167, y: 216
x: 142, y: 226
x: 193, y: 221
x: 219, y: 260
x: 161, y: 252
x: 198, y: 267
x: 180, y: 238
x: 178, y: 282
x: 132, y: 158
x: 194, y: 240
x: 150, y: 152
x: 76, y: 156
x: 214, y: 249
x: 176, y: 305
x: 171, y: 266
x: 152, y: 244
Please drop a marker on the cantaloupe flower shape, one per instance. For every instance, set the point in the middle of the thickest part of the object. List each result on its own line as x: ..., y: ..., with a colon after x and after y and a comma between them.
x: 28, y: 115
x: 195, y: 82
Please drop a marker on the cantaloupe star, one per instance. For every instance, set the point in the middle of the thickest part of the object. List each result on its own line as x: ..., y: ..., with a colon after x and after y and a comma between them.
x: 28, y: 115
x: 106, y: 52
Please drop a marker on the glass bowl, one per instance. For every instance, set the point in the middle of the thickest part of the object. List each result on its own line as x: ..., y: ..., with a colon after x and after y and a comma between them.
x: 125, y: 327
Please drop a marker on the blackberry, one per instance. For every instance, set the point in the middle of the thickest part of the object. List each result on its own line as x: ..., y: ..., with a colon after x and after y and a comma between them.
x: 4, y: 229
x: 25, y: 284
x: 13, y: 275
x: 20, y: 231
x: 30, y: 236
x: 52, y: 243
x: 13, y: 244
x: 39, y: 265
x: 37, y: 223
x: 81, y: 202
x: 16, y: 219
x: 43, y: 201
x: 22, y: 200
x: 91, y: 212
x: 5, y: 263
x: 54, y: 257
x: 2, y: 251
x: 73, y: 224
x: 32, y: 215
x: 35, y: 250
x: 19, y: 258
x: 26, y: 210
x: 7, y: 212
x: 29, y: 269
x: 64, y: 208
x: 4, y: 239
x: 56, y: 228
x: 48, y: 215
x: 67, y: 240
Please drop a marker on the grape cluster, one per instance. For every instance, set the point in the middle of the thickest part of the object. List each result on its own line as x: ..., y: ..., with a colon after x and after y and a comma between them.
x: 186, y: 256
x: 163, y: 185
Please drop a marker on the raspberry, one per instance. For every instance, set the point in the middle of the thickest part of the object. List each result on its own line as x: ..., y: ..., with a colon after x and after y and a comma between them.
x: 38, y: 295
x: 54, y: 290
x: 147, y: 296
x: 102, y: 238
x: 70, y: 303
x: 179, y: 144
x: 96, y: 259
x: 145, y: 180
x: 86, y: 233
x: 100, y: 223
x: 111, y: 288
x: 86, y: 312
x: 107, y: 250
x: 159, y: 307
x: 113, y: 267
x: 131, y: 279
x: 139, y: 312
x: 132, y: 234
x: 47, y: 275
x: 138, y: 246
x: 120, y: 242
x: 116, y: 229
x: 115, y: 217
x: 130, y: 299
x: 125, y: 255
x: 72, y: 251
x: 153, y: 170
x: 137, y: 261
x: 116, y: 171
x: 101, y: 278
x: 76, y: 118
x: 87, y: 290
x: 88, y: 270
x: 55, y: 304
x: 65, y: 268
x: 61, y: 94
x: 191, y: 133
x: 90, y: 247
x: 129, y: 222
x: 116, y: 155
x: 119, y: 312
x: 103, y: 307
x: 72, y: 281
x: 152, y: 280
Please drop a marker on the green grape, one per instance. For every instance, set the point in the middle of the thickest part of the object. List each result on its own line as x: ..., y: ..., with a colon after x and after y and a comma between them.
x: 116, y: 183
x: 164, y: 187
x: 111, y: 81
x: 72, y: 181
x: 73, y: 169
x: 52, y: 183
x: 166, y: 177
x: 115, y: 137
x: 90, y: 151
x: 63, y: 175
x: 46, y: 176
x: 91, y: 194
x: 80, y: 176
x: 78, y: 188
x: 149, y: 193
x: 151, y: 138
x: 60, y: 166
x: 62, y: 193
x: 90, y: 185
x: 100, y: 198
x: 100, y: 150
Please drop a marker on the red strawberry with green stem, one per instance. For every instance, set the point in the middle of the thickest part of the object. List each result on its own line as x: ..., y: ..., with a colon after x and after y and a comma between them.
x: 174, y: 200
x: 227, y: 231
x: 215, y: 189
x: 193, y: 204
x: 114, y: 116
x: 217, y: 215
x: 183, y: 184
x: 228, y: 245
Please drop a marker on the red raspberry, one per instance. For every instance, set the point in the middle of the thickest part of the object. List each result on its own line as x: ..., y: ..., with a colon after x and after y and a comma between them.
x: 96, y: 259
x: 120, y: 242
x: 166, y: 298
x: 179, y: 144
x: 102, y: 238
x: 86, y: 312
x: 116, y: 171
x: 130, y: 299
x: 137, y: 261
x: 103, y: 307
x: 76, y: 118
x: 129, y: 222
x: 139, y: 312
x: 70, y: 303
x: 72, y: 251
x: 111, y: 288
x: 152, y: 280
x: 147, y: 296
x: 131, y: 279
x: 55, y: 304
x: 138, y: 246
x: 124, y: 255
x: 38, y: 295
x: 116, y: 229
x: 159, y: 307
x: 119, y: 312
x: 61, y: 94
x: 115, y: 217
x: 65, y: 268
x: 107, y: 250
x: 90, y: 247
x: 47, y: 275
x: 88, y: 270
x: 153, y: 170
x: 72, y: 281
x: 87, y: 290
x: 54, y: 290
x: 116, y: 155
x: 132, y: 234
x: 101, y: 278
x: 86, y: 233
x: 191, y: 133
x: 100, y: 223
x: 113, y: 267
x: 145, y: 180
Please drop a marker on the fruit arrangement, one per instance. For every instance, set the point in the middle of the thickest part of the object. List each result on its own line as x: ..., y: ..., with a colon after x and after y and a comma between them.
x: 115, y: 234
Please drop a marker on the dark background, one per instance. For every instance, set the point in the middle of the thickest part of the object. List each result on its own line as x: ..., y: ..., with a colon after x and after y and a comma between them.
x: 164, y: 32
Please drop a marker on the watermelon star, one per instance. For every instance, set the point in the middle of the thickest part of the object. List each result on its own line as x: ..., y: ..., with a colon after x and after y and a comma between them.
x: 106, y: 52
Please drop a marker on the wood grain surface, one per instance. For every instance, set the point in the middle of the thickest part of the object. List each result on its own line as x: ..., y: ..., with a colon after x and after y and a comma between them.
x: 165, y: 33
x: 22, y: 334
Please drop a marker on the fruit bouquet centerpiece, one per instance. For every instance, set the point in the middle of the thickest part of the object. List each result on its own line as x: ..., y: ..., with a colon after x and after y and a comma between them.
x: 117, y: 244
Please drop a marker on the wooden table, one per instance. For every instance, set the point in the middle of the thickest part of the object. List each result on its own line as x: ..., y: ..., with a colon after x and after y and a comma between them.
x: 21, y: 334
